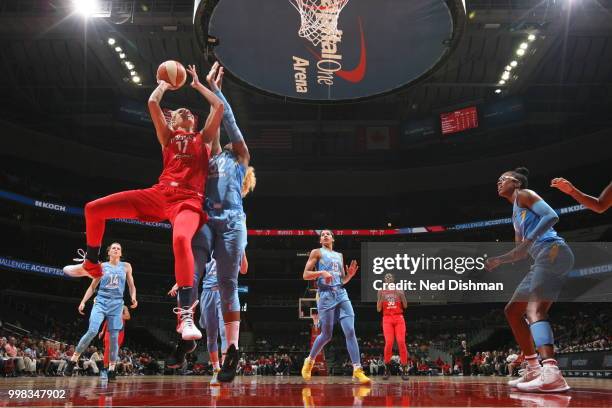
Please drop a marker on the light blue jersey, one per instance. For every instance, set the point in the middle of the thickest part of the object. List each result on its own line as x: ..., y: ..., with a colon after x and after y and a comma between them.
x: 210, y: 279
x: 330, y: 261
x: 108, y: 305
x: 524, y: 221
x: 224, y: 183
x: 112, y: 283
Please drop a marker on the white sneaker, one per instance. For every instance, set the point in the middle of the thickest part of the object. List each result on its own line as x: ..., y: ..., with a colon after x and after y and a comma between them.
x: 186, y: 326
x: 83, y: 267
x: 549, y: 380
x: 525, y: 375
x: 76, y: 271
x: 214, y: 381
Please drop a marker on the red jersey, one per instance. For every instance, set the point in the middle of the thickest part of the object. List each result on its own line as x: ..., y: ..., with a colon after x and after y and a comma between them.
x: 391, y: 303
x: 185, y: 161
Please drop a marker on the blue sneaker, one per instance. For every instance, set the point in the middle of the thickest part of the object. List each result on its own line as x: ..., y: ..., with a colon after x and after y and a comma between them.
x: 104, y: 375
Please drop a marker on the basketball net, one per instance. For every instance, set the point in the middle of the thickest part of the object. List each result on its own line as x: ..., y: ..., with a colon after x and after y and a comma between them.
x: 319, y: 18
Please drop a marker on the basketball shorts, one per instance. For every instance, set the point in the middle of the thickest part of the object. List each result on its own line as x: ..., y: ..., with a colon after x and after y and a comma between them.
x: 546, y: 277
x: 106, y: 308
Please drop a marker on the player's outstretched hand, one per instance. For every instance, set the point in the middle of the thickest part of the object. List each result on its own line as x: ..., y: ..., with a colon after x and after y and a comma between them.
x: 195, y: 80
x: 351, y: 269
x: 492, y: 263
x: 165, y: 85
x: 173, y: 290
x: 562, y: 184
x: 215, y: 77
x: 134, y: 304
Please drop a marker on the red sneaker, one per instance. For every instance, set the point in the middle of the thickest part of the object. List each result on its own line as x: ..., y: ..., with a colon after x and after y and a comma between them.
x: 93, y: 269
x: 86, y: 268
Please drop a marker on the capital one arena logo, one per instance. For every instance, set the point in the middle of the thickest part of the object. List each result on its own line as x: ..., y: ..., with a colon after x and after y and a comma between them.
x: 319, y: 25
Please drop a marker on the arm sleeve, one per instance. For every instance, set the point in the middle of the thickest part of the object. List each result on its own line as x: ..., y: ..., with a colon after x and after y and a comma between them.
x: 229, y: 121
x: 548, y: 218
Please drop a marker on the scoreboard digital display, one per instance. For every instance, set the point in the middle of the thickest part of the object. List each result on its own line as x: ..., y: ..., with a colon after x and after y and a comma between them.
x: 459, y: 120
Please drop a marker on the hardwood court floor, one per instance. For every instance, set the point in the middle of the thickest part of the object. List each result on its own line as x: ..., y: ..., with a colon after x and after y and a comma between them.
x: 292, y: 391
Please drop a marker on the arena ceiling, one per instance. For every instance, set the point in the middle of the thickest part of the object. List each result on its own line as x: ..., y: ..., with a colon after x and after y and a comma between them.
x: 53, y: 64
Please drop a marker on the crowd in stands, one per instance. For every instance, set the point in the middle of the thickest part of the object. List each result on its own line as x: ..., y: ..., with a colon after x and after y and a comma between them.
x: 273, y: 364
x: 23, y: 353
x: 584, y: 331
x: 45, y: 352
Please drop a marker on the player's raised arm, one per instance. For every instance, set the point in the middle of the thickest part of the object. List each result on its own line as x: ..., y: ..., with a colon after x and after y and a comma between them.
x: 598, y: 204
x: 216, y: 142
x: 162, y: 129
x: 229, y: 121
x: 213, y: 122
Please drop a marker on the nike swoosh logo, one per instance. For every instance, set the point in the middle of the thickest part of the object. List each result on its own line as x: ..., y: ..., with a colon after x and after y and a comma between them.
x: 358, y: 73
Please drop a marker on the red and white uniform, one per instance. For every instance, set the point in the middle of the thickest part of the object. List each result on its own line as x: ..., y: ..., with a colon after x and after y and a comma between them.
x: 391, y: 304
x: 180, y: 191
x: 185, y: 161
x: 394, y: 326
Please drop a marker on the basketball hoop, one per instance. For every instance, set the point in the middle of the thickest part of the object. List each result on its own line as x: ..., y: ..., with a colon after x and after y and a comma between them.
x: 319, y: 18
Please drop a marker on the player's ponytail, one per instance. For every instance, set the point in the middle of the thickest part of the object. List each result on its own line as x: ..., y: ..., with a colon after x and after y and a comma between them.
x: 249, y: 182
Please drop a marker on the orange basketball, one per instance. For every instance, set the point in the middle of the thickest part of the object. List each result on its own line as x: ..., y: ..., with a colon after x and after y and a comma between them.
x: 172, y: 72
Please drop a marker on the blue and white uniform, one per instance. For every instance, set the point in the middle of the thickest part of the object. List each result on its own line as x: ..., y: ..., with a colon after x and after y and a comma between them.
x: 332, y: 296
x: 553, y: 258
x: 226, y: 232
x: 211, y: 316
x: 108, y: 305
x: 334, y: 305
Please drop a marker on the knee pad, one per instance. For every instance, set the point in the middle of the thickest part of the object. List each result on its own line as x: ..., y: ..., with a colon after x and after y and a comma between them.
x: 542, y: 333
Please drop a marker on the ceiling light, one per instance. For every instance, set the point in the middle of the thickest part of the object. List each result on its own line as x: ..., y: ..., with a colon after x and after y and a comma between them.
x: 505, y: 75
x: 498, y: 91
x: 513, y: 64
x: 524, y: 46
x: 85, y: 7
x: 111, y: 41
x: 531, y: 37
x: 118, y: 49
x: 501, y: 82
x: 520, y: 52
x: 136, y: 79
